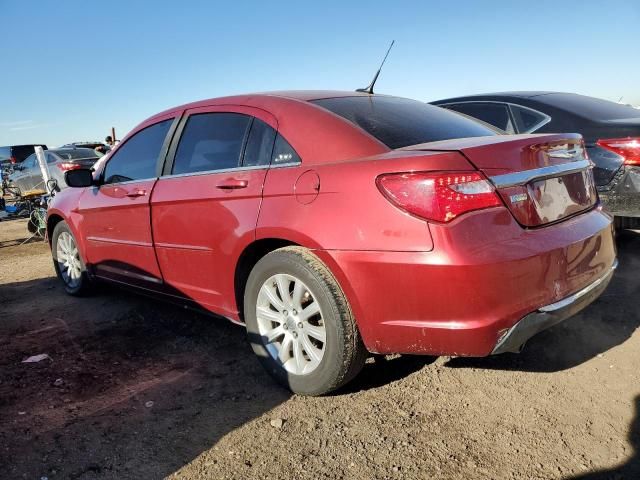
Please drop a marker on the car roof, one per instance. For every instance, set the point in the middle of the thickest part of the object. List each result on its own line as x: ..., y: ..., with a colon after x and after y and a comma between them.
x: 250, y: 98
x: 71, y: 149
x: 497, y: 95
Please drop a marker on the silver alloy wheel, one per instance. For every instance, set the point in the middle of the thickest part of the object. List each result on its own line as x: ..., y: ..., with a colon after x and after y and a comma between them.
x: 291, y: 324
x: 69, y: 260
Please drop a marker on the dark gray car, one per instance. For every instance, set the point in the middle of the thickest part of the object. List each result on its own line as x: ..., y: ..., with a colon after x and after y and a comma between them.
x: 27, y: 177
x: 611, y: 133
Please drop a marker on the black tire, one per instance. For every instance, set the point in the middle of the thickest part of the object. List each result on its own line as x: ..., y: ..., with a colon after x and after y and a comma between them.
x: 83, y: 284
x: 344, y: 354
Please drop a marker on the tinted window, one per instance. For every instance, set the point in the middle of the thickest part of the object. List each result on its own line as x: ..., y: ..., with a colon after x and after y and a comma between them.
x: 260, y: 144
x: 496, y: 114
x: 400, y: 122
x: 136, y: 159
x: 211, y: 141
x: 20, y: 152
x: 51, y: 158
x: 29, y: 162
x: 283, y: 152
x: 527, y: 120
x: 76, y: 153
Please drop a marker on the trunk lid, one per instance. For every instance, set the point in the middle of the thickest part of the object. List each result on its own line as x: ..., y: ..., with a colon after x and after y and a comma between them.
x: 541, y: 178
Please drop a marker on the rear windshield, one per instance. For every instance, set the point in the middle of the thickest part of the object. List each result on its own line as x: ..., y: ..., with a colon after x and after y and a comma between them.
x: 75, y: 153
x: 588, y: 107
x: 400, y: 122
x: 19, y: 152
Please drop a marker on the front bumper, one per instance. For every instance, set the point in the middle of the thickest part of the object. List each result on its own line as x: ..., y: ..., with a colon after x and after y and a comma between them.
x: 621, y: 196
x: 545, y: 317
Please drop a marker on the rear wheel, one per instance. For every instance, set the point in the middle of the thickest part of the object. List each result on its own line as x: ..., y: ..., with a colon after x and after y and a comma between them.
x: 299, y: 323
x: 69, y: 266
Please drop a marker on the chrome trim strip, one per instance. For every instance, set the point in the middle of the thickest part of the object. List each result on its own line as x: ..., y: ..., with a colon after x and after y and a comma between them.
x: 115, y: 184
x: 211, y: 172
x: 537, y: 126
x: 230, y: 170
x: 285, y: 165
x: 521, y: 178
x: 119, y: 242
x: 565, y: 302
x: 182, y: 247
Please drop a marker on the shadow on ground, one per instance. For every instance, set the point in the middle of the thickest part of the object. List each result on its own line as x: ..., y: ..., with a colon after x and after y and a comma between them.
x: 133, y: 388
x: 606, y: 323
x: 629, y: 470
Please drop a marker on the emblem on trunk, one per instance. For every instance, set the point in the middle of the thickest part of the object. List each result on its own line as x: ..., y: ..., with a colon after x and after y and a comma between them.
x: 520, y: 197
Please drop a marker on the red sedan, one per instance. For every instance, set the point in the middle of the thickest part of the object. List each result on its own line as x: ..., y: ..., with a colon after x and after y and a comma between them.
x: 333, y: 224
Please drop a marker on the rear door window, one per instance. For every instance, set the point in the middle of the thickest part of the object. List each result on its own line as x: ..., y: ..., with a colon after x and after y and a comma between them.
x: 211, y: 141
x: 496, y: 114
x: 400, y: 122
x: 259, y: 145
x: 137, y: 158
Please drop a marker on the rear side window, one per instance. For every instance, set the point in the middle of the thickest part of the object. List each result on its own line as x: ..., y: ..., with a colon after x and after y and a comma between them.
x: 527, y: 120
x: 29, y: 162
x: 260, y: 144
x: 211, y: 141
x: 400, y: 122
x: 283, y: 153
x: 137, y: 158
x: 496, y: 114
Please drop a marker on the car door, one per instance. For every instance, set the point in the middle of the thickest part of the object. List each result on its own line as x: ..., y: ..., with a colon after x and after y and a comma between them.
x: 115, y: 214
x: 205, y: 206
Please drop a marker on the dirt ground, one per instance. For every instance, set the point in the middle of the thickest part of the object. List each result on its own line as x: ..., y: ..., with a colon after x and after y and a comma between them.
x: 137, y: 389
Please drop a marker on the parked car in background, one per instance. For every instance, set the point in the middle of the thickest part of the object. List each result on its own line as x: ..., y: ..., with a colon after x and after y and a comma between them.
x: 91, y: 145
x: 27, y: 176
x: 611, y: 132
x: 333, y: 224
x: 14, y: 154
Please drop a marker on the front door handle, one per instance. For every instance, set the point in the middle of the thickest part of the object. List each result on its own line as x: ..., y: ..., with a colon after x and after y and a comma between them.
x: 137, y: 193
x: 232, y: 184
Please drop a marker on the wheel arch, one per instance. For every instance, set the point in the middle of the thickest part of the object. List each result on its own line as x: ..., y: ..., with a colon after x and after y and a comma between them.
x: 249, y: 257
x: 52, y: 220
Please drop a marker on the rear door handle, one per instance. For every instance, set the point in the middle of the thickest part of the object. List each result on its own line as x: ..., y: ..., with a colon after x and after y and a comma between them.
x: 232, y: 184
x: 137, y: 193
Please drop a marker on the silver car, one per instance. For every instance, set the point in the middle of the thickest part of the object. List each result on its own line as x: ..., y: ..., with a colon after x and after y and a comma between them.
x: 27, y: 177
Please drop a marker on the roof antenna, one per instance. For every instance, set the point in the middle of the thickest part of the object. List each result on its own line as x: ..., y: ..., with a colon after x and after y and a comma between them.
x: 369, y: 88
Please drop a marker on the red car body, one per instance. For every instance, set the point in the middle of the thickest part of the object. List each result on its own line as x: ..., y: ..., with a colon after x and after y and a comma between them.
x: 454, y: 287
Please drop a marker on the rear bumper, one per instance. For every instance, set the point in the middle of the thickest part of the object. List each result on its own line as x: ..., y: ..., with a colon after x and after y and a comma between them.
x: 545, y: 317
x: 621, y: 196
x: 484, y: 275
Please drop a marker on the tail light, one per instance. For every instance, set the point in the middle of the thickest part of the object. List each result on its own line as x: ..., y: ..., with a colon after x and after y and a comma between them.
x: 13, y: 160
x: 629, y: 148
x: 439, y: 197
x: 65, y: 166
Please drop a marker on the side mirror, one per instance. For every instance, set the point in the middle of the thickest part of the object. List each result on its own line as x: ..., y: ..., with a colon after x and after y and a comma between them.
x: 78, y: 178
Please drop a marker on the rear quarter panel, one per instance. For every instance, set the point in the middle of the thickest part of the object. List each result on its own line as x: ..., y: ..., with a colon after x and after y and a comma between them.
x: 348, y: 211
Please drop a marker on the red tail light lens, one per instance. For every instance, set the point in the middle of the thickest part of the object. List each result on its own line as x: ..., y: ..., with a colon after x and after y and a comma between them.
x: 628, y: 147
x: 439, y: 197
x: 64, y: 166
x: 13, y: 160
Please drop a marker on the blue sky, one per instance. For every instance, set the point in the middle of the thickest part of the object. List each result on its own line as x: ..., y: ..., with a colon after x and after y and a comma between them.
x: 73, y: 69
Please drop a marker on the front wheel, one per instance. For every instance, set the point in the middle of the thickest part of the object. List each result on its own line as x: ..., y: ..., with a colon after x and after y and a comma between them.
x: 68, y: 263
x: 299, y: 323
